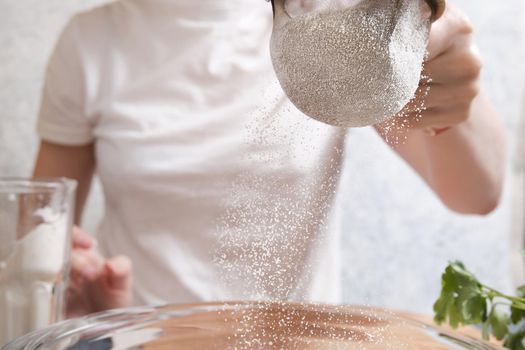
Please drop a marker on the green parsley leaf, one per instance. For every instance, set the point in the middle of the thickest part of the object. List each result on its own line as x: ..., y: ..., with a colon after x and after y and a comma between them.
x: 515, y: 339
x: 517, y: 314
x: 462, y: 301
x: 466, y: 301
x: 499, y: 322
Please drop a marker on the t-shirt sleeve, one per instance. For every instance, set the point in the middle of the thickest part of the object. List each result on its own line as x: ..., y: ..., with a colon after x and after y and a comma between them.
x: 62, y: 118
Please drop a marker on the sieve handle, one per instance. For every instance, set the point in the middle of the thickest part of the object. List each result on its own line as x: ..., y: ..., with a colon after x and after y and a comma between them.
x: 437, y: 7
x: 280, y: 16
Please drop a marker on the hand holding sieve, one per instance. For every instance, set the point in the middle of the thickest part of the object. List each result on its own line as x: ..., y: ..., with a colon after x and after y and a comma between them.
x: 365, y: 57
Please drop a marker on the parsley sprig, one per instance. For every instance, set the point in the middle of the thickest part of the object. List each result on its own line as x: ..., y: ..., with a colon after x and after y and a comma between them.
x: 466, y: 301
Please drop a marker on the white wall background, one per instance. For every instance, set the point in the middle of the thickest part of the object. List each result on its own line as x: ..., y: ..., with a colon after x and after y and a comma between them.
x: 398, y: 237
x: 28, y: 31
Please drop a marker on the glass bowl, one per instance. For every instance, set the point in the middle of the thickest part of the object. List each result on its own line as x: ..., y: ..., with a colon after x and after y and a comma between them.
x: 250, y: 325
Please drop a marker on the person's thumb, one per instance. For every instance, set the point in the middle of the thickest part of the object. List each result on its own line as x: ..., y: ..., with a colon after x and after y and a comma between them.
x: 119, y: 273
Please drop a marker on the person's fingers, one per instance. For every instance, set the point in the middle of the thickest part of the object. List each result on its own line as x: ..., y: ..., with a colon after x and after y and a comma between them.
x: 439, y: 41
x: 436, y: 117
x: 82, y: 239
x: 85, y: 264
x: 459, y: 65
x: 446, y: 30
x: 119, y: 273
x: 446, y: 95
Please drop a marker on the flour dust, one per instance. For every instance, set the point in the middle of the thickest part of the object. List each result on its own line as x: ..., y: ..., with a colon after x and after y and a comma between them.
x: 346, y: 67
x: 275, y: 228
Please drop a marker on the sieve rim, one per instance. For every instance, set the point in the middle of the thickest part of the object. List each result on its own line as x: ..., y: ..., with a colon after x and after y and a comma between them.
x: 36, y: 185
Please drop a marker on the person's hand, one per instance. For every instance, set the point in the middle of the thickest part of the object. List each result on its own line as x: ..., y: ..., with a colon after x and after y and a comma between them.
x: 96, y: 284
x: 451, y: 77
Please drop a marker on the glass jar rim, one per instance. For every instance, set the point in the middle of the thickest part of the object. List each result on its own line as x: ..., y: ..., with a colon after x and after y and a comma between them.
x: 36, y: 185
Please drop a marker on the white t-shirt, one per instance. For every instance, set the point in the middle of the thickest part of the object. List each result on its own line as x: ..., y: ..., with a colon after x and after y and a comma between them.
x: 215, y: 186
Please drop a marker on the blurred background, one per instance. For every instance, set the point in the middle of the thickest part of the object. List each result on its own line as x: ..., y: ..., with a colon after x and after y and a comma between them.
x: 398, y: 237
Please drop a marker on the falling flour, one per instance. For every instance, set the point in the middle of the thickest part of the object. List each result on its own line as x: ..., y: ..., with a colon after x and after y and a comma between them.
x: 350, y: 67
x: 353, y: 66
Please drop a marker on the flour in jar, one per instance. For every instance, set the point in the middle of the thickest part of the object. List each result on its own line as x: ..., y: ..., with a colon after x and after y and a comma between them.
x: 29, y: 275
x: 352, y: 66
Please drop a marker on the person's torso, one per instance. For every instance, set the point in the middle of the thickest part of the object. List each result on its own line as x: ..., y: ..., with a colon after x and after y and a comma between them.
x: 215, y: 185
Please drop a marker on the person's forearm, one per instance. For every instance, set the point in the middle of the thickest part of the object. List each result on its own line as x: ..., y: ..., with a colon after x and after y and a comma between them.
x: 75, y: 162
x: 464, y: 162
x: 464, y: 165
